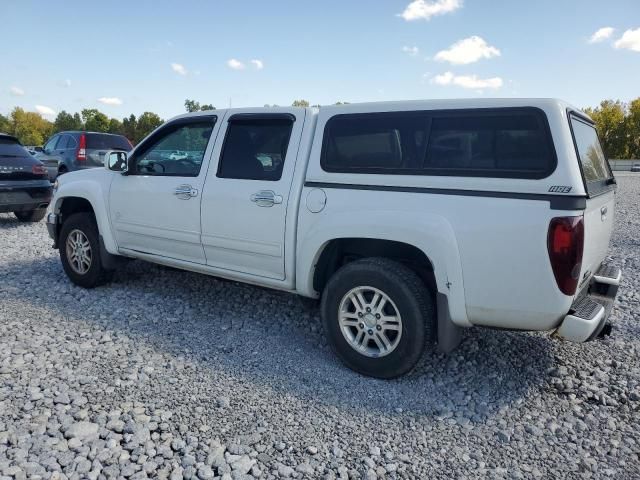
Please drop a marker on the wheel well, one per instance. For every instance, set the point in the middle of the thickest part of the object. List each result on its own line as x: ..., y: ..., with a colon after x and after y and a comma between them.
x: 341, y: 251
x: 72, y: 205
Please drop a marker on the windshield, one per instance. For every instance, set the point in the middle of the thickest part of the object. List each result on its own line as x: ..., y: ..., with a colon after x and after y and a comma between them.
x: 594, y: 164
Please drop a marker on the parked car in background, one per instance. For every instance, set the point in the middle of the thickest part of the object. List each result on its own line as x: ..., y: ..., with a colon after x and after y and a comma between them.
x: 25, y: 189
x: 33, y: 149
x: 178, y: 155
x: 635, y: 167
x: 408, y: 220
x: 76, y: 150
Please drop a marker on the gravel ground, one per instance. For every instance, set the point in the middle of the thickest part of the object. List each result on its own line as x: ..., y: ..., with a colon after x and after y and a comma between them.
x: 169, y: 374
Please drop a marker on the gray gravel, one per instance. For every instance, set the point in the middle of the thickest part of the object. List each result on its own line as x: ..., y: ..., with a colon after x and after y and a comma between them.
x: 168, y: 374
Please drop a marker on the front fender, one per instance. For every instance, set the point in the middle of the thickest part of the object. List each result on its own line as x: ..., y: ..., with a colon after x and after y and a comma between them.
x: 430, y: 233
x: 93, y: 186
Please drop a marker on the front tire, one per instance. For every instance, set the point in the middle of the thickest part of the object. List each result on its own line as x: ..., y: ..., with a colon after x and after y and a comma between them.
x: 378, y: 316
x: 79, y: 246
x: 31, y: 215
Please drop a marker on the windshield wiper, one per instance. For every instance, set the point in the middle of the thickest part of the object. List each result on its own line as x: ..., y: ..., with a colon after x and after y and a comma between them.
x: 12, y: 156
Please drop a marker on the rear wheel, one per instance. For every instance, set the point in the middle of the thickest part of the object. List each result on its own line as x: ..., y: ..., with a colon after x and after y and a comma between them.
x: 378, y: 315
x: 80, y: 251
x: 62, y: 170
x: 31, y: 215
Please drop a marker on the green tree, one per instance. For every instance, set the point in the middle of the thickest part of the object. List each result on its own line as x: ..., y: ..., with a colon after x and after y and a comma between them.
x: 5, y: 125
x: 129, y: 128
x: 193, y: 106
x: 95, y: 121
x: 115, y: 126
x: 632, y: 129
x: 147, y: 123
x: 300, y: 103
x: 66, y: 121
x: 609, y: 118
x: 29, y: 127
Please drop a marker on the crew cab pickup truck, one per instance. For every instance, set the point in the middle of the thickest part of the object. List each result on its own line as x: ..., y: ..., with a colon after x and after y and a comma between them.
x: 408, y: 221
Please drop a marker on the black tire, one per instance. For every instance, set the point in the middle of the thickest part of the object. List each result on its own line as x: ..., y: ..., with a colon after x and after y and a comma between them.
x: 96, y: 274
x: 31, y: 215
x: 414, y: 303
x: 62, y: 170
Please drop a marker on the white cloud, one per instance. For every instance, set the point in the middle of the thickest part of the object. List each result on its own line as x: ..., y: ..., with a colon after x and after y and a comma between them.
x: 67, y: 83
x: 412, y: 51
x: 42, y: 110
x: 179, y: 68
x: 16, y: 91
x: 235, y: 64
x: 601, y: 34
x: 467, y: 51
x: 467, y: 81
x: 629, y: 40
x: 110, y: 100
x: 425, y: 9
x: 258, y: 64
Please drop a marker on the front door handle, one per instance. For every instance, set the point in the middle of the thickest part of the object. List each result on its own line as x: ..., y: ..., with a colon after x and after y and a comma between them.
x: 185, y: 192
x: 266, y: 198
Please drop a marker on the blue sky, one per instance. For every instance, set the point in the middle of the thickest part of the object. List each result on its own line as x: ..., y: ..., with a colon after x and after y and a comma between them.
x: 129, y: 57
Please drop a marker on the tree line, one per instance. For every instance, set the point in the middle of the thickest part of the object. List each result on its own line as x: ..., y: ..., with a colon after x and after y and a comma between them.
x: 618, y: 124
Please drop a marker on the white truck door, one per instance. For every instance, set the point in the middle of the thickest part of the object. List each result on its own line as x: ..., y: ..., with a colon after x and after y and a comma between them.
x: 245, y: 197
x: 155, y: 208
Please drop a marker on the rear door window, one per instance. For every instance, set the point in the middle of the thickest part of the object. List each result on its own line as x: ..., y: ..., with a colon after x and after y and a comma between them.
x: 508, y: 142
x: 103, y: 141
x: 63, y: 143
x: 255, y: 149
x: 595, y: 167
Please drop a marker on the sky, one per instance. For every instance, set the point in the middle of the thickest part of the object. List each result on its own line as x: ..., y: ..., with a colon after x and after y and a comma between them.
x: 135, y: 56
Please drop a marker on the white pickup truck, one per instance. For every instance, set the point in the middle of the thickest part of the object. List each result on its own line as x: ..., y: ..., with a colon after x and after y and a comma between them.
x: 408, y: 220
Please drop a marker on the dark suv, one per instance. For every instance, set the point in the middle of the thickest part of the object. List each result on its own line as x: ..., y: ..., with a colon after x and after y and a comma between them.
x: 69, y: 151
x: 25, y: 189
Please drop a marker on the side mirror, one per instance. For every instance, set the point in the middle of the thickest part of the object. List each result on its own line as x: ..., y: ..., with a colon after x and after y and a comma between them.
x: 116, y: 161
x: 38, y: 149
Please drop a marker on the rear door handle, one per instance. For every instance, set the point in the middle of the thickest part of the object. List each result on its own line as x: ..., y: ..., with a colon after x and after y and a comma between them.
x: 185, y: 192
x: 266, y: 198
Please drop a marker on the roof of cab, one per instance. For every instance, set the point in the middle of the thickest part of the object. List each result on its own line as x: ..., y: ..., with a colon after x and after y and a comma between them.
x: 404, y: 105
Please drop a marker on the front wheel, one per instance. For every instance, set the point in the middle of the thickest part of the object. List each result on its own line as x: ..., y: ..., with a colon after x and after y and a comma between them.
x: 80, y: 251
x: 378, y: 316
x: 31, y: 215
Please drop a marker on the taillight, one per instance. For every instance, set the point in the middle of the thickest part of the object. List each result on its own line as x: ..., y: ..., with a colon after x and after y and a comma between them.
x: 39, y: 170
x: 565, y: 243
x: 81, y: 153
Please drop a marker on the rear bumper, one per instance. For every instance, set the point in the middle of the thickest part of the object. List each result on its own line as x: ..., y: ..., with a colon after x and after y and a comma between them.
x: 591, y: 308
x: 19, y: 196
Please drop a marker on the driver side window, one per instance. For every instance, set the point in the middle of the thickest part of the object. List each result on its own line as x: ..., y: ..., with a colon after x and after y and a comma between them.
x: 175, y: 151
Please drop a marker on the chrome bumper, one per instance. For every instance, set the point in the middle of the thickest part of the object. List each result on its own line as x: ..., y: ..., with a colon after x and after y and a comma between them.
x: 590, y: 311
